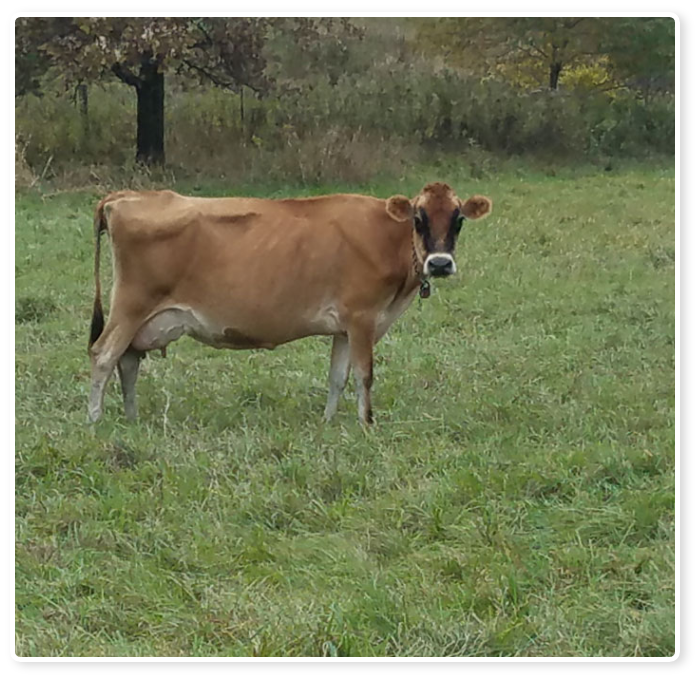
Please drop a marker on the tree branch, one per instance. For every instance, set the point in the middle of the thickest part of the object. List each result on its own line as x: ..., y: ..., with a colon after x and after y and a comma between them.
x: 574, y: 23
x: 125, y: 75
x: 220, y: 82
x: 534, y: 48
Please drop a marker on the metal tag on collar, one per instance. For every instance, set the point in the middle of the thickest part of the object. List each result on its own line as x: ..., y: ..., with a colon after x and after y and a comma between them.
x: 424, y: 291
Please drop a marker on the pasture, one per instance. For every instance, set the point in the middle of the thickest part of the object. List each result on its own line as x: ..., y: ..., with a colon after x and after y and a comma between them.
x: 516, y: 496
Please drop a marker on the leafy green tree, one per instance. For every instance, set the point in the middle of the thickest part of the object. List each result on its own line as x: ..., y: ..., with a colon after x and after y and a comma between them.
x: 531, y: 50
x: 228, y: 52
x: 139, y: 51
x: 31, y: 63
x: 641, y: 51
x: 536, y: 51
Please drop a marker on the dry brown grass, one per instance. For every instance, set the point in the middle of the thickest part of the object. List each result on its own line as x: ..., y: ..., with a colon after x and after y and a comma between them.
x: 24, y: 175
x: 334, y: 154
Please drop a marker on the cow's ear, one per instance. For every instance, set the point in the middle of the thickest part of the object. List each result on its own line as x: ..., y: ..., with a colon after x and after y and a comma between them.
x: 399, y: 208
x: 476, y: 207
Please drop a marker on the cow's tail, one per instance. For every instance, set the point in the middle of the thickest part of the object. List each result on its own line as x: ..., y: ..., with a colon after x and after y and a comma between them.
x: 98, y: 319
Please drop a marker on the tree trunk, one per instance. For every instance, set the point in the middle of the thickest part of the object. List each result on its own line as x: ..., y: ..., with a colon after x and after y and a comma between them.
x: 150, y: 115
x: 82, y: 94
x: 555, y: 69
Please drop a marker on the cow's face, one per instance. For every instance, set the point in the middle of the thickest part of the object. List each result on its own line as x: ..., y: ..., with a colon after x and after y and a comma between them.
x: 437, y: 215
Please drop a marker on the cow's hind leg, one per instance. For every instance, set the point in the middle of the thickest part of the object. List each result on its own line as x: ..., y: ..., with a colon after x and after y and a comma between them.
x: 104, y: 356
x: 338, y: 374
x: 128, y: 367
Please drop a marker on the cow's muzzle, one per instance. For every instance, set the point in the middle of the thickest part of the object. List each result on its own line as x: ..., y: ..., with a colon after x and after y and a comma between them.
x: 439, y: 265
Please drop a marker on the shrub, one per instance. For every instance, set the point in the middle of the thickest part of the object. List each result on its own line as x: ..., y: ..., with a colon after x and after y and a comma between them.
x: 365, y: 123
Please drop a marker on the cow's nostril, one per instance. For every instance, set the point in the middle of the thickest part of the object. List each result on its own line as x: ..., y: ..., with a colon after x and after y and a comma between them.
x: 439, y: 265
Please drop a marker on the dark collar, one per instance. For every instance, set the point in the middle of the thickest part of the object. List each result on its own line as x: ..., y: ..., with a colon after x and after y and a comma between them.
x: 424, y: 290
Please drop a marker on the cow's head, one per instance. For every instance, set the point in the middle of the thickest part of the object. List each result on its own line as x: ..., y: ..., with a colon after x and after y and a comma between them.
x: 437, y: 215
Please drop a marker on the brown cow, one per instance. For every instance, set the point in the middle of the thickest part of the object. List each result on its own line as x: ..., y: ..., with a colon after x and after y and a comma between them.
x: 245, y: 273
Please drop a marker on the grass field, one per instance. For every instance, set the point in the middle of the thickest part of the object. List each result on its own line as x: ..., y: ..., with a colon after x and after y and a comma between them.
x: 516, y: 496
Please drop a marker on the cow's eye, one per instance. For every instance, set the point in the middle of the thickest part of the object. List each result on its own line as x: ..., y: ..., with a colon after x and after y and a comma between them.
x: 417, y: 223
x: 459, y: 223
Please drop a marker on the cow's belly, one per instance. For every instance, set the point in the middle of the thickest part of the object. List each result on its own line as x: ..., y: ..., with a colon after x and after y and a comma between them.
x: 170, y: 324
x: 262, y: 330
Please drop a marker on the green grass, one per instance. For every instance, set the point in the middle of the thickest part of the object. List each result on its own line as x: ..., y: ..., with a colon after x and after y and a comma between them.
x: 516, y: 496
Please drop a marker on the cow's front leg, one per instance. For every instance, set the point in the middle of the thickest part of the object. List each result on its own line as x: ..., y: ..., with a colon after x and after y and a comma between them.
x: 338, y: 374
x: 361, y: 337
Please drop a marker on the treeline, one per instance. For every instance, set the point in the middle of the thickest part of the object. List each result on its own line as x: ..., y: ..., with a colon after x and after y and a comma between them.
x: 314, y: 98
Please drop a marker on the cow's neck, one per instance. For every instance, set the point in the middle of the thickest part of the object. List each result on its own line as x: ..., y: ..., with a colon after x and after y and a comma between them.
x: 417, y: 276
